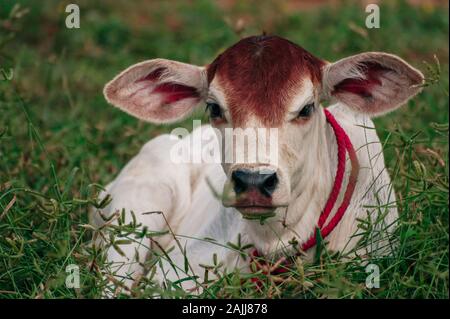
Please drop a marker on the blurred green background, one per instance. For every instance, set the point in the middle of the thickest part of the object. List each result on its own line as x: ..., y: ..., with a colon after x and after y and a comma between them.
x: 58, y: 136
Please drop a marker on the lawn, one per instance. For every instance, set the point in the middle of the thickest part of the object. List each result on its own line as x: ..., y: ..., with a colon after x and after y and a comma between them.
x: 60, y: 142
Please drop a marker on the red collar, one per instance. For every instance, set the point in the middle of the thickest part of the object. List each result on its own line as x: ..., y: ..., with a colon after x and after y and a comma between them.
x: 344, y: 146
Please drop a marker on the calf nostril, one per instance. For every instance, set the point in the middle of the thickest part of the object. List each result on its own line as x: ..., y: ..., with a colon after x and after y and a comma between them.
x: 265, y: 183
x: 240, y: 181
x: 268, y: 185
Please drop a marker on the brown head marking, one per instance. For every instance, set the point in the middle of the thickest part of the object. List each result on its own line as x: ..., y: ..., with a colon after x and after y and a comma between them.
x: 259, y: 74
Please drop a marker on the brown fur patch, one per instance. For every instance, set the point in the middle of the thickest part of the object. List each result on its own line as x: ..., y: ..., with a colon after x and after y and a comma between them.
x: 260, y: 74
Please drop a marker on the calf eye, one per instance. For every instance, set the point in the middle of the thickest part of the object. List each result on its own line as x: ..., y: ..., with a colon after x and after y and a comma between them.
x: 306, y: 110
x: 215, y: 112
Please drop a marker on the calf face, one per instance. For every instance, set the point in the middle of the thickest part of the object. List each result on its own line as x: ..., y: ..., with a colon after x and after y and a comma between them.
x: 264, y: 82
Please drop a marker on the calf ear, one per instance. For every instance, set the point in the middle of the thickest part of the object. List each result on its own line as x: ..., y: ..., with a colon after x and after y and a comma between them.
x: 158, y: 91
x: 372, y: 83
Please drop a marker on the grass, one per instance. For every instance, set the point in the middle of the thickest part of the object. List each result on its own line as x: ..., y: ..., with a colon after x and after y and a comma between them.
x: 60, y: 141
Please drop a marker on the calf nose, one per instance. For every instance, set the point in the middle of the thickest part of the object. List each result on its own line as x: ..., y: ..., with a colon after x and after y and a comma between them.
x: 265, y: 182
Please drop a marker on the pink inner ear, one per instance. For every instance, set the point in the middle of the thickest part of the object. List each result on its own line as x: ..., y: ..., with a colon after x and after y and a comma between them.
x: 171, y: 92
x: 152, y: 76
x: 174, y: 92
x: 363, y: 87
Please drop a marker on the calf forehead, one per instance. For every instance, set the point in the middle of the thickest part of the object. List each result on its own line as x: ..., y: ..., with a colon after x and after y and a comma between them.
x: 260, y: 74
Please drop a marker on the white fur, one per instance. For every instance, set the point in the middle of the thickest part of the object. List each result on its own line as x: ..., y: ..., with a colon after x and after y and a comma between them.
x: 186, y: 193
x: 150, y: 182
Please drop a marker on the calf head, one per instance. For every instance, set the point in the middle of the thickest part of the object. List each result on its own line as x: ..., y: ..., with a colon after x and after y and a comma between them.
x: 270, y: 83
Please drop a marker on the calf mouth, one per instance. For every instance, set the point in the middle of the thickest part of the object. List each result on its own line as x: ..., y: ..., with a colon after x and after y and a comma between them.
x: 256, y: 212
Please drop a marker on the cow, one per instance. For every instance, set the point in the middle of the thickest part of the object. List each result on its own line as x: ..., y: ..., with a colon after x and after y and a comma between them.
x: 274, y: 206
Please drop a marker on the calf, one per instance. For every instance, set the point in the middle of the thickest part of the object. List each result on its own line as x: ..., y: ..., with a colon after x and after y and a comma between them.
x: 329, y: 171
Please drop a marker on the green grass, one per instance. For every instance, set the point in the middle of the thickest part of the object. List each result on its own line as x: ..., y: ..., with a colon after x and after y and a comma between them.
x: 59, y: 140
